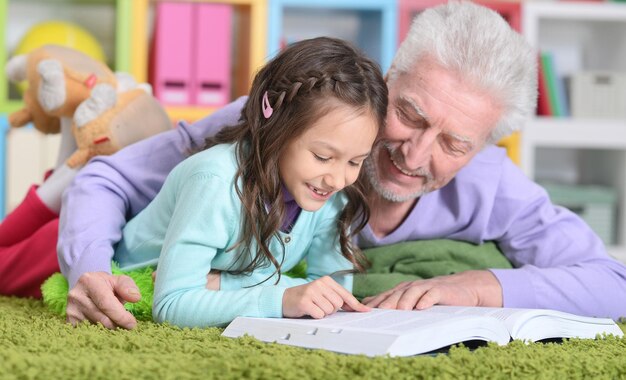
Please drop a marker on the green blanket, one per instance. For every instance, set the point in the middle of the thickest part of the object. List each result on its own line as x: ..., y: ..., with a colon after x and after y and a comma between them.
x: 416, y: 260
x: 391, y: 265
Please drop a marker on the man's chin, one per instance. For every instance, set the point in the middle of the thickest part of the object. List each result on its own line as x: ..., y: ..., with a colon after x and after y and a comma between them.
x: 387, y: 189
x: 394, y: 195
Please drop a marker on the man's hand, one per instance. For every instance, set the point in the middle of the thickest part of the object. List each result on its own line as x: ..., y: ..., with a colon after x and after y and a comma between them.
x: 318, y: 299
x: 470, y: 288
x: 100, y: 297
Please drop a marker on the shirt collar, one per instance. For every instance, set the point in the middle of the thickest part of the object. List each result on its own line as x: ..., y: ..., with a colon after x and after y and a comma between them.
x: 287, y: 197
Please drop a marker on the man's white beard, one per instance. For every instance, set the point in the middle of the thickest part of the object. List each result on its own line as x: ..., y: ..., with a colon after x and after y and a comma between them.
x: 372, y: 174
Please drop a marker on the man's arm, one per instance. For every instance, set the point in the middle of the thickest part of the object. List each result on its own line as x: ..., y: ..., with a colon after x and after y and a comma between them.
x: 112, y: 189
x: 560, y: 263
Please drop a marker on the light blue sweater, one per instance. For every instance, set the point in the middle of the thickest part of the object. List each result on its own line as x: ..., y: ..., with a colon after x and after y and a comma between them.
x: 188, y: 229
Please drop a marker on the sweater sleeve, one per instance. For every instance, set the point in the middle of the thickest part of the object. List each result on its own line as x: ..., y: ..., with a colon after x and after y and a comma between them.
x: 323, y: 256
x: 203, y: 223
x: 560, y: 262
x: 112, y: 189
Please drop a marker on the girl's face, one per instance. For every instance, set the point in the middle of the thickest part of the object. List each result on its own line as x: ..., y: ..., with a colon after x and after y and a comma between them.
x: 328, y: 156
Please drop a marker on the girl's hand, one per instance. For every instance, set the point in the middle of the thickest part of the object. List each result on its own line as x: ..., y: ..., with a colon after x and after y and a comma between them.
x: 318, y: 299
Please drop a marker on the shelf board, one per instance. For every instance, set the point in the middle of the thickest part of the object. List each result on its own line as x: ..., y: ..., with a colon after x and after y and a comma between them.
x: 588, y: 11
x: 575, y: 133
x: 188, y: 113
x: 618, y: 252
x: 347, y: 4
x: 10, y: 106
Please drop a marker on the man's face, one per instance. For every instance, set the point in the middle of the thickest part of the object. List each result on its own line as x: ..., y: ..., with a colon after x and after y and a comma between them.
x: 435, y: 125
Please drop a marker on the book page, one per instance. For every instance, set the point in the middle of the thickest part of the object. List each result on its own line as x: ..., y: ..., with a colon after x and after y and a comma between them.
x: 377, y: 332
x: 380, y: 319
x: 503, y: 314
x: 538, y: 324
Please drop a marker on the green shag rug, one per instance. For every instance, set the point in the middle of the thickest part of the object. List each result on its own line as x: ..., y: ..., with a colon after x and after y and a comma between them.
x: 35, y: 343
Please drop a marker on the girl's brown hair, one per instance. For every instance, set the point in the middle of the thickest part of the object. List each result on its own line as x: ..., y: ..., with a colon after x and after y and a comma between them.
x: 304, y: 82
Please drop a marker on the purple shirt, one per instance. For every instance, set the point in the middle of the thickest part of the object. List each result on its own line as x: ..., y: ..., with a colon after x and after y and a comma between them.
x: 292, y: 210
x: 559, y: 262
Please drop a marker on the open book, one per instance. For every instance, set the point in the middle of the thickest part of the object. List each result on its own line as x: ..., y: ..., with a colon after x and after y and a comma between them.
x: 406, y: 333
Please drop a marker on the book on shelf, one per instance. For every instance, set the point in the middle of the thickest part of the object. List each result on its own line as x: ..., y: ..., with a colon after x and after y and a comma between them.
x: 543, y: 102
x: 554, y: 86
x: 407, y: 333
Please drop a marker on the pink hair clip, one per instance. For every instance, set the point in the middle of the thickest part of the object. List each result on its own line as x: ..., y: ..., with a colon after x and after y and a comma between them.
x: 265, y: 106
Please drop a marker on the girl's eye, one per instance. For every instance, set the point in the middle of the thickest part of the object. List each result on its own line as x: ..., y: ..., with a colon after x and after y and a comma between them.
x: 355, y: 164
x: 320, y: 158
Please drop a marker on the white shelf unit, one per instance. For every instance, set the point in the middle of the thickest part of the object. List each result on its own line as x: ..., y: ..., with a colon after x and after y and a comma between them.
x: 580, y: 151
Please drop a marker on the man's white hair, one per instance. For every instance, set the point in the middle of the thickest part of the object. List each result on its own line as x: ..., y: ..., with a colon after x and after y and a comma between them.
x: 478, y: 45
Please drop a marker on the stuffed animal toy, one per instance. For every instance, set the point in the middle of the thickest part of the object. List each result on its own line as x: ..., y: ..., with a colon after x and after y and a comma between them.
x: 106, y: 111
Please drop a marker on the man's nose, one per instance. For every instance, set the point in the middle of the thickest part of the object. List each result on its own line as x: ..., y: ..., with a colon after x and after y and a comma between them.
x: 417, y: 150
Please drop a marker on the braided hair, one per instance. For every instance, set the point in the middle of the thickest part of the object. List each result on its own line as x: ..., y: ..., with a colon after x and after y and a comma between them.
x: 305, y: 81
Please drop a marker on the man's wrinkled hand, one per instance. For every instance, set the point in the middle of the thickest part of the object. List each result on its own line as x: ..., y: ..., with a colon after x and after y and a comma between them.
x: 99, y: 297
x: 470, y: 288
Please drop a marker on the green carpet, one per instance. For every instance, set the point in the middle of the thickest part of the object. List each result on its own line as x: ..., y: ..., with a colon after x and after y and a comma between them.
x: 36, y: 343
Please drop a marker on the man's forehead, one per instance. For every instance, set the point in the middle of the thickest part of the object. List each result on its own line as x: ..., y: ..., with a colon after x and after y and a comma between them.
x: 409, y: 101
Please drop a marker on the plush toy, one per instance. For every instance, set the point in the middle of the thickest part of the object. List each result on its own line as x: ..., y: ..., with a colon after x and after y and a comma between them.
x: 96, y: 112
x: 105, y: 111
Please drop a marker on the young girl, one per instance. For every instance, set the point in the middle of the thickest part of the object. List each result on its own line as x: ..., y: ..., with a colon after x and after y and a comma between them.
x: 265, y: 194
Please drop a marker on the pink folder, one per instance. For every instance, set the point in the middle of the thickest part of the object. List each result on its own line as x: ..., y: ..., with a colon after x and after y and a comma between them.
x: 212, y: 48
x: 173, y: 52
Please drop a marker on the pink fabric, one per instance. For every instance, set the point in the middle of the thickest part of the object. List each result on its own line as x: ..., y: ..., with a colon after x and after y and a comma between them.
x: 28, y: 238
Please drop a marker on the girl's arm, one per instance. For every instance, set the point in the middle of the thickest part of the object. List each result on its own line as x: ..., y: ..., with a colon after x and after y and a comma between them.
x: 323, y: 257
x: 199, y: 229
x: 205, y: 221
x: 317, y: 295
x: 112, y: 189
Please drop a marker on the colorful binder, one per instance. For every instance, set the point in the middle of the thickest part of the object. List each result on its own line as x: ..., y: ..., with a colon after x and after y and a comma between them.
x: 213, y: 40
x: 173, y: 52
x: 192, y: 53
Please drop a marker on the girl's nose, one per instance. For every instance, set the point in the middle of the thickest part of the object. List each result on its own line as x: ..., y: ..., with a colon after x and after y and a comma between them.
x: 336, y: 178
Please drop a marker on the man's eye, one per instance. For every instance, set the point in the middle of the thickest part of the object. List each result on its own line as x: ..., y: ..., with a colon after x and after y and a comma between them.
x: 404, y: 117
x: 456, y: 149
x: 401, y: 115
x: 320, y: 158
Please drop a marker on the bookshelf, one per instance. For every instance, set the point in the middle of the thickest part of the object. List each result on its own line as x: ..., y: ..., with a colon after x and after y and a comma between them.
x: 107, y: 20
x: 369, y: 24
x: 578, y: 151
x: 408, y: 9
x: 25, y: 154
x: 123, y: 27
x: 250, y: 19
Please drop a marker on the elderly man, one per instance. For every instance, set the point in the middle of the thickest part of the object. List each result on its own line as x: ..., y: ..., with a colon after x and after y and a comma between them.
x: 461, y: 80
